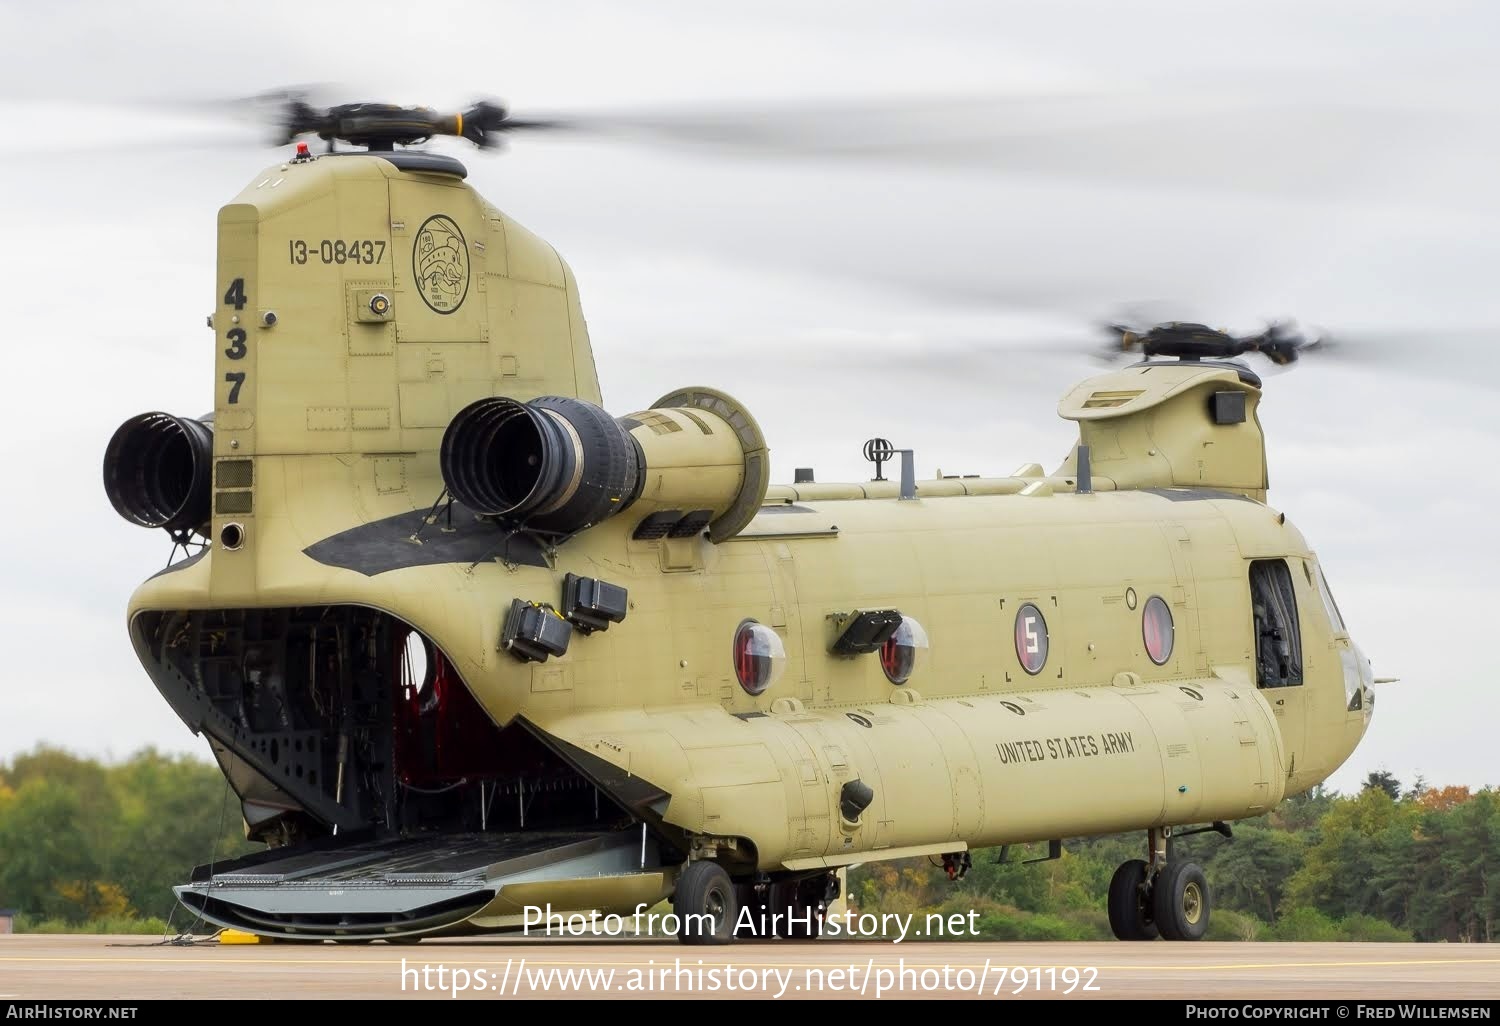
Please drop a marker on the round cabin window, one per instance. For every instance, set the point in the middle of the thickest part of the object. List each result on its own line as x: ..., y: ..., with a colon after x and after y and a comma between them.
x: 1157, y: 629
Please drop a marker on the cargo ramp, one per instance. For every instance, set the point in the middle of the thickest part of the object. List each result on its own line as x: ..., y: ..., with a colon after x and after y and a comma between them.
x: 403, y: 889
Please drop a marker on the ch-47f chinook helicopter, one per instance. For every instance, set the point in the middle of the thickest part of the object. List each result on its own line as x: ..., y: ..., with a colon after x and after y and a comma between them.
x: 463, y: 643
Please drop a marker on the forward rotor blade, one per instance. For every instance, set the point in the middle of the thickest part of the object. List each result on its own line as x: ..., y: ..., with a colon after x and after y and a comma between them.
x: 1238, y: 141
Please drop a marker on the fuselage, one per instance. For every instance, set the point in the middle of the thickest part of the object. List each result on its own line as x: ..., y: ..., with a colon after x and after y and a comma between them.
x: 973, y: 748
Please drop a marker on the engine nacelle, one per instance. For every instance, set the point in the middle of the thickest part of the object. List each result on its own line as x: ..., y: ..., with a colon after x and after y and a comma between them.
x: 559, y: 464
x: 158, y: 471
x: 555, y: 464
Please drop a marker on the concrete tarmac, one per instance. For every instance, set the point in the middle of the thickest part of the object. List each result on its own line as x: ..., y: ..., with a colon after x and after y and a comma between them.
x: 78, y: 967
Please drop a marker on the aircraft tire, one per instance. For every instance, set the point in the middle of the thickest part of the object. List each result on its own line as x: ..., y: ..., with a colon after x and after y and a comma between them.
x: 705, y: 889
x: 1130, y: 912
x: 1180, y: 901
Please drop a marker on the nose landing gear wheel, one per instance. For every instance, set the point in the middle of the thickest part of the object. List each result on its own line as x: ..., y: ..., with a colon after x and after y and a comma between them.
x: 1130, y: 907
x: 705, y: 905
x: 1180, y: 902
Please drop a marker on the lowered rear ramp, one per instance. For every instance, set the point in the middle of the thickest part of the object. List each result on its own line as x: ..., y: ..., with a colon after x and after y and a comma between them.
x: 407, y: 888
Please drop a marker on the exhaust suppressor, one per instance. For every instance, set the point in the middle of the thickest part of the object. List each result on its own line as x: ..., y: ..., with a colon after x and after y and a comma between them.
x: 157, y: 471
x: 559, y: 464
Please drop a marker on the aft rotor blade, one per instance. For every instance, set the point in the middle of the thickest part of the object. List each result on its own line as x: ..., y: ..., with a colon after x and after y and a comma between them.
x: 1238, y: 142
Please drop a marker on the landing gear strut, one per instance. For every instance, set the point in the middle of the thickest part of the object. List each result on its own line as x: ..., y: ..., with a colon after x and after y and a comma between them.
x: 1159, y: 897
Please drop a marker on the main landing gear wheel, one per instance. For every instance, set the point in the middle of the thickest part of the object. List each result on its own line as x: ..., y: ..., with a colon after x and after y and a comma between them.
x: 1160, y: 896
x: 1179, y: 901
x: 705, y: 905
x: 802, y: 918
x: 789, y: 909
x: 1130, y: 905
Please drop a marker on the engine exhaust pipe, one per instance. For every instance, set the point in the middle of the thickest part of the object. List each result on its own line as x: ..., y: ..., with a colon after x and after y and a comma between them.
x: 158, y: 469
x: 555, y: 464
x: 695, y: 460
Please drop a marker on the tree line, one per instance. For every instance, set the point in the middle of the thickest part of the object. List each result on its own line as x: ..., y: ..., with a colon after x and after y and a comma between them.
x: 1385, y: 863
x: 92, y: 846
x: 84, y: 845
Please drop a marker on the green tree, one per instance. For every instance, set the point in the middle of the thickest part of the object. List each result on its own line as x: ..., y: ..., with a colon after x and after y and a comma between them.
x: 1251, y: 872
x: 1305, y: 924
x: 174, y: 813
x: 1302, y: 811
x: 1338, y: 869
x: 1400, y: 870
x: 1467, y: 863
x: 49, y: 864
x: 1384, y: 781
x: 82, y: 841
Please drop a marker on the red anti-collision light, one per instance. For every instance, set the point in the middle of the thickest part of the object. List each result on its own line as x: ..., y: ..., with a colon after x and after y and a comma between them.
x: 759, y: 657
x: 302, y: 150
x: 904, y: 651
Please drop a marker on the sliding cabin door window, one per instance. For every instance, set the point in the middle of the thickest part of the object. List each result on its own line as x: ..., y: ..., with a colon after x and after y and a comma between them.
x: 1278, y: 637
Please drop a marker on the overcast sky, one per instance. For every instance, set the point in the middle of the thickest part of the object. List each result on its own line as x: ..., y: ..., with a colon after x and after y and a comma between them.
x: 1009, y: 173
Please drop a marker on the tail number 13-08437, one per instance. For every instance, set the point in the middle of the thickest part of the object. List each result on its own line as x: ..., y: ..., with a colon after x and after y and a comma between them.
x: 336, y: 251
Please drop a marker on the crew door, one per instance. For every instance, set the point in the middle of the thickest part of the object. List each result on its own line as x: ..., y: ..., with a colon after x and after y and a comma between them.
x: 1277, y: 653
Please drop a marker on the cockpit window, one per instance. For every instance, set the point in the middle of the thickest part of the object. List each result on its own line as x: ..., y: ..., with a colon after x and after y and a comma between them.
x: 1278, y: 637
x: 1334, y: 616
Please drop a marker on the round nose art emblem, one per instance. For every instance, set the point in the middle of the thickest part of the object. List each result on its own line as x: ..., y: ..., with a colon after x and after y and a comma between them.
x: 440, y: 264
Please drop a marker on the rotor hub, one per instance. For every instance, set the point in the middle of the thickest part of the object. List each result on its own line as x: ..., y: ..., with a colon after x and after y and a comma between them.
x: 1185, y: 340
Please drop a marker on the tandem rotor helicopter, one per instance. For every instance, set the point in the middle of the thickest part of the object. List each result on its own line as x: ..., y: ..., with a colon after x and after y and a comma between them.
x: 465, y: 643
